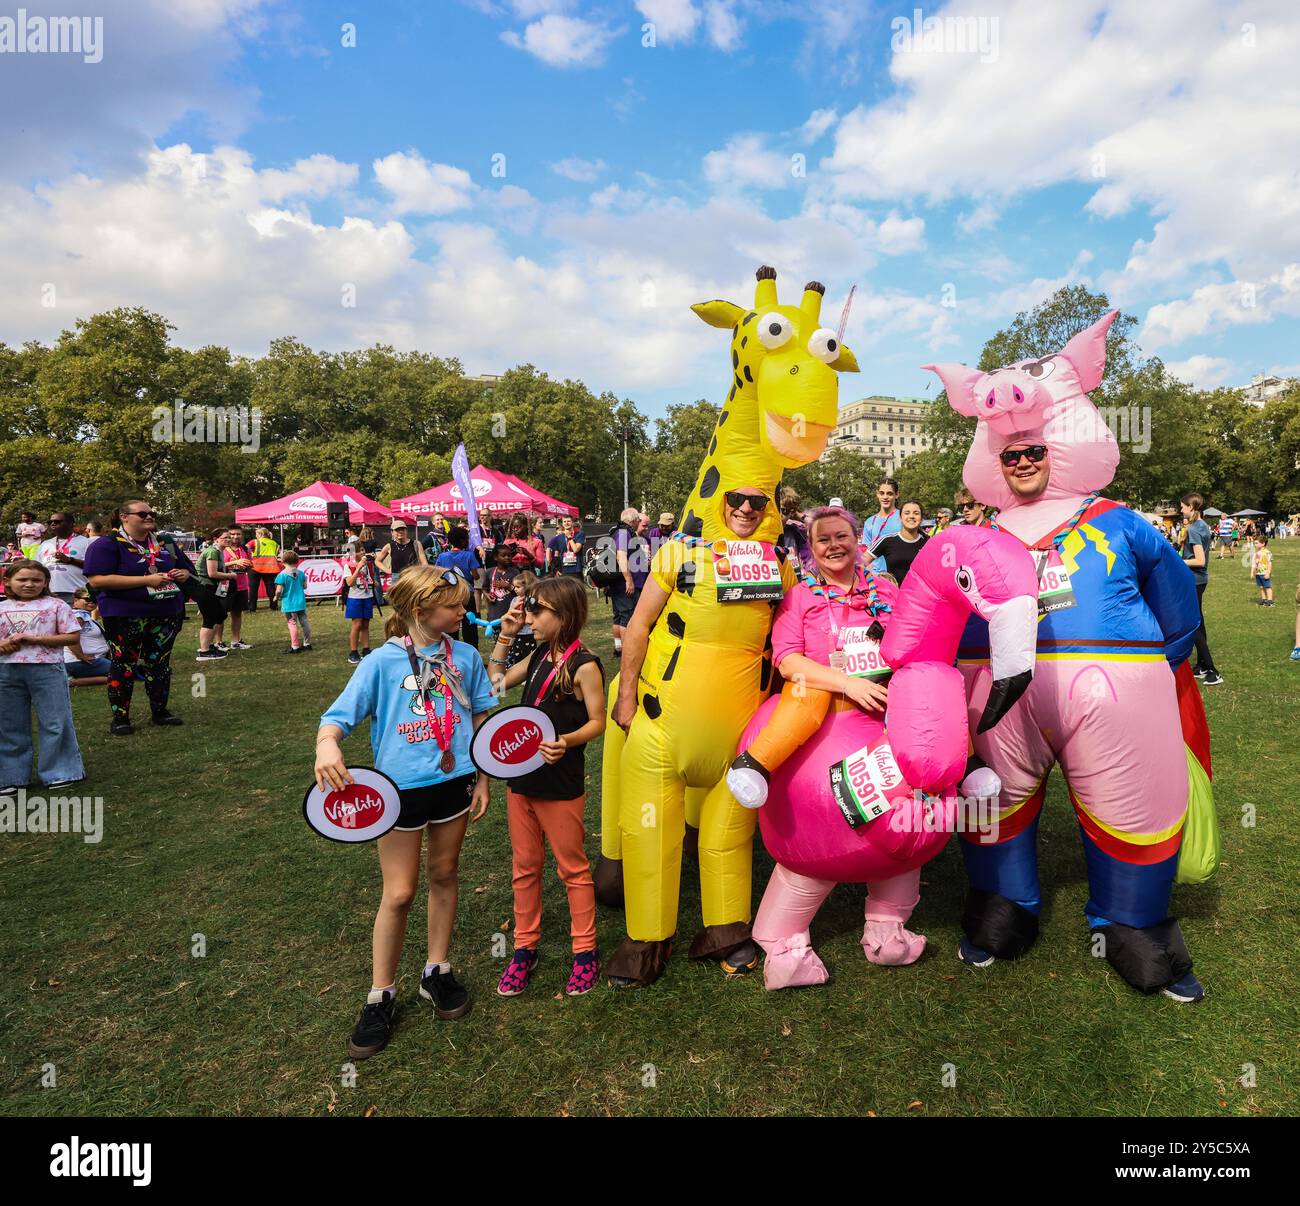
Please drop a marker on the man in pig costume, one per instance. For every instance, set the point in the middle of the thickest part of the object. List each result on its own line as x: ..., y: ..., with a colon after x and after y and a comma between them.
x: 1117, y: 618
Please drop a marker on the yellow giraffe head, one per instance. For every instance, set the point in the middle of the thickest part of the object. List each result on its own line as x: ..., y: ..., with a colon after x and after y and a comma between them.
x: 782, y: 405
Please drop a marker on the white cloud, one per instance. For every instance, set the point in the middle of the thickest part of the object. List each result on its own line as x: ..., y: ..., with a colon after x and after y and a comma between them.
x: 1204, y: 372
x: 900, y: 235
x: 1173, y: 108
x: 561, y: 41
x: 1213, y: 307
x: 316, y: 176
x: 819, y: 121
x: 674, y: 20
x: 582, y: 170
x: 982, y: 217
x: 746, y: 161
x: 723, y: 25
x: 418, y: 186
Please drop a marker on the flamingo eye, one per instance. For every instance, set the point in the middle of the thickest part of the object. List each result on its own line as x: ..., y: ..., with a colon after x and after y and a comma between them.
x: 965, y: 580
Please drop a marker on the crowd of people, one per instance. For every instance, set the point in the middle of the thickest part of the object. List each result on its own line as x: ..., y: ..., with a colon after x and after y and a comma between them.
x: 104, y: 605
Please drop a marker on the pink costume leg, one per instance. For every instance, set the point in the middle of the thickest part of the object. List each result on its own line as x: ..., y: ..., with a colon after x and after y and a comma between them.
x: 890, y: 902
x: 781, y: 929
x: 293, y: 632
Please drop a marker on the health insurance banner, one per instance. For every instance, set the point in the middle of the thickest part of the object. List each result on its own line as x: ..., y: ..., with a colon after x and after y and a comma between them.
x: 325, y: 575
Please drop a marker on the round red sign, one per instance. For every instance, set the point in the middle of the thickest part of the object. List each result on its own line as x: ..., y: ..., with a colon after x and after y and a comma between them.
x: 509, y: 743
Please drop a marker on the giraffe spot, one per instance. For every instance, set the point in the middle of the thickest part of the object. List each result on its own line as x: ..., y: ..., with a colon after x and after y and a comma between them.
x: 731, y: 395
x: 685, y: 581
x: 672, y: 665
x: 676, y: 625
x: 713, y: 446
x: 744, y: 339
x: 722, y: 418
x: 753, y: 314
x: 652, y: 706
x: 748, y: 376
x: 709, y: 485
x: 739, y: 383
x: 693, y: 525
x: 735, y: 358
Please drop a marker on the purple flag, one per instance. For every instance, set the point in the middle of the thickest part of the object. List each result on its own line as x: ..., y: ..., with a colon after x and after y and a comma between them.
x: 460, y: 473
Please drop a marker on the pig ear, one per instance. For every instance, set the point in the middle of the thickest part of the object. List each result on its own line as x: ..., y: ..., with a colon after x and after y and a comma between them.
x: 1087, y: 352
x: 959, y: 382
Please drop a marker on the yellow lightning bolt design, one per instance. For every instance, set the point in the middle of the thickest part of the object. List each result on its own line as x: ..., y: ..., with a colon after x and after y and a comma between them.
x: 1074, y: 544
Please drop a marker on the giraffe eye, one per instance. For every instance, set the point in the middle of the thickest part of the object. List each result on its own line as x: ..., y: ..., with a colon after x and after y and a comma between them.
x: 824, y: 345
x: 774, y: 331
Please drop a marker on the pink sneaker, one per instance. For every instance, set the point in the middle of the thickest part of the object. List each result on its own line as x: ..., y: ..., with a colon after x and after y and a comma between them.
x: 585, y: 974
x: 518, y: 971
x: 889, y: 943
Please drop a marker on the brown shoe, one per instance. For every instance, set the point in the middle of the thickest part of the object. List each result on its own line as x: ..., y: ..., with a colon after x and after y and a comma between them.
x: 732, y: 946
x: 608, y: 879
x: 638, y: 964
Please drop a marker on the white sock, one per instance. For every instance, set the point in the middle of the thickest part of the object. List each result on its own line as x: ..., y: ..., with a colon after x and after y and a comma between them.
x: 442, y: 967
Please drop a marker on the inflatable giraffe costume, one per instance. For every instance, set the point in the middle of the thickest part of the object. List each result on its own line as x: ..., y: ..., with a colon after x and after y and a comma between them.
x: 707, y: 664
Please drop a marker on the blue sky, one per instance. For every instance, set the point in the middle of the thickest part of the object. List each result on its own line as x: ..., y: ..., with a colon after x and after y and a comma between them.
x: 234, y: 165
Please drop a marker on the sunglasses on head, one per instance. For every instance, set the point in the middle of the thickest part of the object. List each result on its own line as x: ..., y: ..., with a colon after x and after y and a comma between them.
x: 450, y: 576
x: 738, y: 498
x: 1011, y: 456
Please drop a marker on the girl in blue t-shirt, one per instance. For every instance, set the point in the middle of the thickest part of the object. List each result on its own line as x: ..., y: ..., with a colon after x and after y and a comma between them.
x: 424, y: 694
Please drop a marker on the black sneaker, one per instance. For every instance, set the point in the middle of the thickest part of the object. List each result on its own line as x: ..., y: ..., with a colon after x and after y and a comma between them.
x: 121, y: 728
x: 211, y: 655
x: 450, y: 998
x: 306, y: 646
x: 1213, y: 679
x: 375, y: 1026
x: 291, y: 649
x: 165, y: 718
x: 354, y: 658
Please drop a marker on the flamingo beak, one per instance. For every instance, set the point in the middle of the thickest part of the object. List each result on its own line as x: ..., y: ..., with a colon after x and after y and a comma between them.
x: 1013, y: 638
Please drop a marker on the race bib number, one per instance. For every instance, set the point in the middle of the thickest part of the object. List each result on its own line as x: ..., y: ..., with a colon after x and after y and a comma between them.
x: 861, y: 655
x: 1055, y: 592
x: 170, y: 591
x: 223, y: 589
x: 570, y: 558
x: 863, y: 782
x: 746, y: 571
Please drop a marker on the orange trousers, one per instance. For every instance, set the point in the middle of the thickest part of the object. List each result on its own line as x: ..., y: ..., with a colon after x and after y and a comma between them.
x: 560, y: 823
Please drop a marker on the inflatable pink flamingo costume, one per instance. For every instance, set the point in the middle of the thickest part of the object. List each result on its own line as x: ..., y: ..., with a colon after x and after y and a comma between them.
x: 923, y: 744
x: 1117, y: 615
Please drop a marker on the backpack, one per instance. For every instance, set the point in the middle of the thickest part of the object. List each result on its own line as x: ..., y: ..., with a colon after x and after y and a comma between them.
x: 605, y: 574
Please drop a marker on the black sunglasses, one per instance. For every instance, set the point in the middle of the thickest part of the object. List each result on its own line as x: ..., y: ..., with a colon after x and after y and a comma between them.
x: 737, y: 499
x: 140, y: 514
x: 970, y: 506
x: 533, y: 603
x: 1011, y: 456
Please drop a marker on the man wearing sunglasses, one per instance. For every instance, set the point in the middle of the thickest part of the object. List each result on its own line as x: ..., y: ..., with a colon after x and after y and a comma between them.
x: 970, y: 513
x: 1112, y: 704
x: 693, y: 672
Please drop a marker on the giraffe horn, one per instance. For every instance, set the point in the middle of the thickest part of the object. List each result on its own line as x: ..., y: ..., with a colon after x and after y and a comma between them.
x: 765, y: 290
x: 811, y: 303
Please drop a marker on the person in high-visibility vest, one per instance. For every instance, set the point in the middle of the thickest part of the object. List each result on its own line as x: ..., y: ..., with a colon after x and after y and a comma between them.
x: 265, y: 556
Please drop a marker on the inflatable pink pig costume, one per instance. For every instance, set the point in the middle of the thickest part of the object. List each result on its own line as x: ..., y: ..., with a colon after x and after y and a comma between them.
x: 1117, y: 615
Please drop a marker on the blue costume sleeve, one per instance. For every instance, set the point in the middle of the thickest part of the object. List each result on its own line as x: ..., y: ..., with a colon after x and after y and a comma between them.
x: 1167, y: 586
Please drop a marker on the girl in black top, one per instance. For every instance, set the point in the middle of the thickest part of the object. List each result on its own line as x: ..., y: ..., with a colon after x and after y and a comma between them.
x: 900, y: 550
x: 565, y: 681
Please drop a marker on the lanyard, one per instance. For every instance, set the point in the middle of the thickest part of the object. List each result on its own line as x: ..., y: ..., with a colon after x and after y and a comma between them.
x: 146, y: 552
x: 555, y: 669
x: 1046, y: 544
x: 440, y: 727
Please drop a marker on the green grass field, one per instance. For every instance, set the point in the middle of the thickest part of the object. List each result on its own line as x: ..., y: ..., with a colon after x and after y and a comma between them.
x: 203, y: 834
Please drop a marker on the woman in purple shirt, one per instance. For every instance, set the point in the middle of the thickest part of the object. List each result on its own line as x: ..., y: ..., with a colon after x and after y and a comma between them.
x: 137, y: 583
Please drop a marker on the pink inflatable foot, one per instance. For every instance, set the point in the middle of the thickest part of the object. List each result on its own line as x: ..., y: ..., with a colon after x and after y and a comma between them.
x: 792, y: 963
x: 890, y: 943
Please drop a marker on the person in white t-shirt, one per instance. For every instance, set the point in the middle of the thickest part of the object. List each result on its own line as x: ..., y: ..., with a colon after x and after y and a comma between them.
x: 62, y: 553
x: 91, y: 668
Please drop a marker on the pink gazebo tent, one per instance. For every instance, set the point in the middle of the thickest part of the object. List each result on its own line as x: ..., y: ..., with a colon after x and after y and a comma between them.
x: 308, y: 506
x: 494, y: 493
